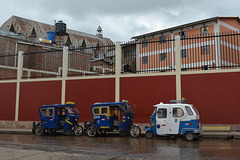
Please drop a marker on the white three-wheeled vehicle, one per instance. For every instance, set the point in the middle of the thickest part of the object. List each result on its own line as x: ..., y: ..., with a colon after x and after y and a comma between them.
x: 175, y: 118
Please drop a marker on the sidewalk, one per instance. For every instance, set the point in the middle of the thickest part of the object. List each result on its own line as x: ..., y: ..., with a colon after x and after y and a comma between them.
x: 206, y: 134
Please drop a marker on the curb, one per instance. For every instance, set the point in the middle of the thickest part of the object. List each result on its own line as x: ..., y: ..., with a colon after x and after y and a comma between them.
x: 15, y: 131
x: 206, y: 135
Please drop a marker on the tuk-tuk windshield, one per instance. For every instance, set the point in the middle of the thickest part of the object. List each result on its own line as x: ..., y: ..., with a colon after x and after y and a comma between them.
x: 195, y: 110
x: 154, y: 112
x: 72, y: 110
x: 126, y: 109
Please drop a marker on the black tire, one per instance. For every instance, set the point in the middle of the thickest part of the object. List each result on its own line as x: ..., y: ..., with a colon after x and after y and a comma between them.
x: 91, y: 130
x: 39, y: 130
x: 135, y: 131
x: 78, y: 130
x: 51, y: 131
x: 149, y: 134
x: 189, y: 136
x: 101, y: 132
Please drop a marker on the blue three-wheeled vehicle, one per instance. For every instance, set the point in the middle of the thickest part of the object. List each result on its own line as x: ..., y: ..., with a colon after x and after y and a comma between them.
x: 114, y: 116
x: 58, y: 118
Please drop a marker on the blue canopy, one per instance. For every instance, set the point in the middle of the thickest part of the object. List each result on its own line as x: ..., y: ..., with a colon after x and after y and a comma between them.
x: 58, y: 105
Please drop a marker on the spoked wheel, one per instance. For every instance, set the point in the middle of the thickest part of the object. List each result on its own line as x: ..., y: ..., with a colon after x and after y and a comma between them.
x: 149, y: 134
x: 91, y: 130
x: 101, y: 132
x: 135, y: 131
x: 78, y: 130
x: 189, y: 136
x: 39, y: 130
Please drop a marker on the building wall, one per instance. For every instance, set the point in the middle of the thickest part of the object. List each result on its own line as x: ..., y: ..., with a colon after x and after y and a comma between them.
x: 8, y: 101
x: 85, y: 92
x: 229, y: 47
x: 145, y: 92
x: 35, y: 94
x: 216, y: 96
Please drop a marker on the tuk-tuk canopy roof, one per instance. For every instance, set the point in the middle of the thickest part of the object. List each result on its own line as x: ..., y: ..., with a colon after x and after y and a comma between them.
x: 58, y: 105
x: 108, y: 104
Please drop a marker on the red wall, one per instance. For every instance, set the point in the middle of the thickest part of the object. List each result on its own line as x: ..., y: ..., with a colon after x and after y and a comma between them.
x: 35, y: 94
x: 145, y: 92
x: 86, y: 92
x: 8, y: 101
x: 216, y: 96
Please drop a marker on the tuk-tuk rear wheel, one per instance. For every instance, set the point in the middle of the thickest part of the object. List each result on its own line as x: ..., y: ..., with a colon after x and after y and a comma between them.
x: 135, y: 131
x: 101, y: 132
x: 91, y: 130
x: 39, y: 130
x: 78, y: 130
x: 189, y: 136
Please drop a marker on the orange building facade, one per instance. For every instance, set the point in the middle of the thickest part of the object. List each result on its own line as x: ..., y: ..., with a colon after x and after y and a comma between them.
x: 206, y: 44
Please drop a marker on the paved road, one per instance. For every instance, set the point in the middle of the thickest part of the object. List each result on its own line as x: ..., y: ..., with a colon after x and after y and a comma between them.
x: 29, y: 147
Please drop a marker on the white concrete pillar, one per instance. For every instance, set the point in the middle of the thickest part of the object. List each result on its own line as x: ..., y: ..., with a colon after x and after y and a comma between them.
x: 178, y: 66
x: 19, y: 77
x: 137, y: 58
x: 217, y: 45
x: 117, y: 71
x: 64, y: 73
x: 172, y: 53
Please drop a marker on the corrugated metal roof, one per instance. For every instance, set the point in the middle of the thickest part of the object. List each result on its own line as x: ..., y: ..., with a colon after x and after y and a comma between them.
x: 26, y: 26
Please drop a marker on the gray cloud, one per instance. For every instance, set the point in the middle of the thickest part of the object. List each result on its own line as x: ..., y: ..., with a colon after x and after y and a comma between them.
x: 120, y: 20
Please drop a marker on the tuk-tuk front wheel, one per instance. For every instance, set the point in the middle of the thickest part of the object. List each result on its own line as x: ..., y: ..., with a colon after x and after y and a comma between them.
x: 189, y: 136
x: 78, y: 130
x: 149, y: 134
x: 135, y: 131
x: 39, y: 130
x: 92, y: 130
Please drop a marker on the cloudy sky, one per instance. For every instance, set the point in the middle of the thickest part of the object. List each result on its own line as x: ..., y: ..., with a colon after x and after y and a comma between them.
x: 119, y: 19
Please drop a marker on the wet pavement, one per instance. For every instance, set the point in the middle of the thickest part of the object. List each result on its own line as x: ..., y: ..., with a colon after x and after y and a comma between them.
x: 113, y: 147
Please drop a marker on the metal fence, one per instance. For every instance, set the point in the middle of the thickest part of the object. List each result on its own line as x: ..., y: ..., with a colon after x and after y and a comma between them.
x: 87, y: 61
x: 8, y: 66
x: 198, y: 52
x: 42, y: 64
x: 210, y: 52
x: 148, y: 56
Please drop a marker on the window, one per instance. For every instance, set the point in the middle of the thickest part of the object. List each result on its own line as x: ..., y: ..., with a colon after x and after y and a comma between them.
x: 163, y: 39
x: 162, y: 113
x: 183, y: 53
x: 205, y: 49
x: 44, y: 112
x: 182, y: 34
x: 206, y: 67
x: 196, y: 111
x: 189, y: 111
x: 96, y: 111
x: 104, y: 111
x: 177, y: 112
x: 204, y: 30
x: 163, y: 56
x: 12, y: 29
x: 51, y: 112
x: 145, y: 60
x: 144, y: 43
